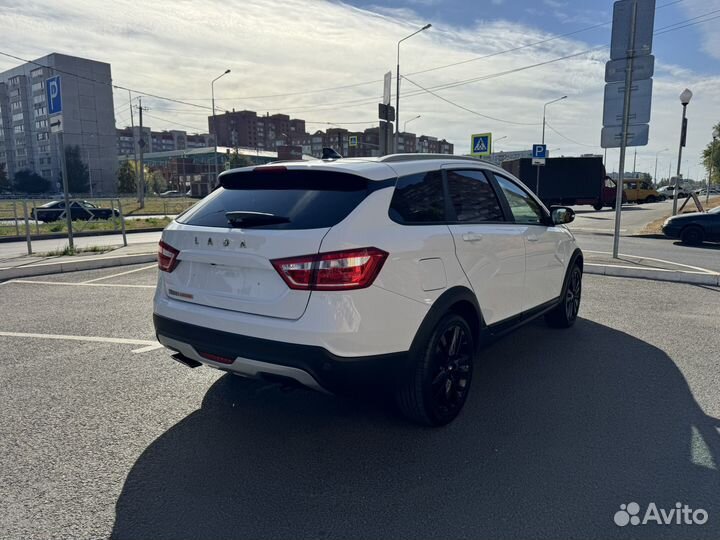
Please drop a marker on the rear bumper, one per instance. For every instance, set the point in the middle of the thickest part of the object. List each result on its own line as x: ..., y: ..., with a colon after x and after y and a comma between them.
x: 311, y: 366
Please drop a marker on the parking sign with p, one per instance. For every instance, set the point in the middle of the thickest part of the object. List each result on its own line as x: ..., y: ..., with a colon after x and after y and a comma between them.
x: 54, y: 98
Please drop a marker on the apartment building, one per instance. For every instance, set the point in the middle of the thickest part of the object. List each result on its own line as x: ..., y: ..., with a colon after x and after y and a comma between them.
x: 87, y: 119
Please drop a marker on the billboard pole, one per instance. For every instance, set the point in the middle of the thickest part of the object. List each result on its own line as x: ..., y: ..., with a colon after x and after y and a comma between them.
x: 623, y: 137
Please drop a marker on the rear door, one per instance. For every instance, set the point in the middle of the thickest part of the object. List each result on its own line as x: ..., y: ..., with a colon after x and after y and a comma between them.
x: 490, y: 249
x: 544, y: 264
x: 226, y: 264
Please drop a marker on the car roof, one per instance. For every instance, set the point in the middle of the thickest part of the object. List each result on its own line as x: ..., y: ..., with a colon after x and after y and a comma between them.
x: 380, y: 168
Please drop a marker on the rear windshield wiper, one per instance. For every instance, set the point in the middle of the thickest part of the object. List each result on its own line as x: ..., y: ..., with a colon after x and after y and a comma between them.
x: 240, y: 218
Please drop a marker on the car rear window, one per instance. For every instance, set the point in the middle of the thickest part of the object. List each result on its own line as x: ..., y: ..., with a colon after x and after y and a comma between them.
x: 308, y: 199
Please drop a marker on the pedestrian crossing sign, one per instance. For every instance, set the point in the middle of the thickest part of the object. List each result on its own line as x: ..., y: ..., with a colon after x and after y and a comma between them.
x: 481, y: 144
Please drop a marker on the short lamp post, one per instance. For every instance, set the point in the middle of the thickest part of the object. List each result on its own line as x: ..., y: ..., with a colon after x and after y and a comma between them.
x: 685, y: 98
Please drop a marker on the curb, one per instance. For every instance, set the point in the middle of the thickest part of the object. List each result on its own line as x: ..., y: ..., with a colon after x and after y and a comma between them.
x: 693, y: 278
x: 53, y: 236
x: 75, y: 266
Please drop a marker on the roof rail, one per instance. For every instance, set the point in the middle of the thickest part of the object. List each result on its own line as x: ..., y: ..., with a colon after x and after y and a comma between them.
x: 395, y: 158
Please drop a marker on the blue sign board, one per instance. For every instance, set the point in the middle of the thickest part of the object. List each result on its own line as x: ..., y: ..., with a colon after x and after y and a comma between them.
x: 481, y: 144
x: 54, y: 99
x: 539, y: 151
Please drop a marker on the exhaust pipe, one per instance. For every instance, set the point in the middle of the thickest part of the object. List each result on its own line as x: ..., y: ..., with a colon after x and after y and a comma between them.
x: 184, y: 360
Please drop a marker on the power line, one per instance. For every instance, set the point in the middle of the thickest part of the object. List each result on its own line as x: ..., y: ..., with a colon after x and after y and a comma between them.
x: 568, y: 138
x: 107, y: 83
x: 466, y: 109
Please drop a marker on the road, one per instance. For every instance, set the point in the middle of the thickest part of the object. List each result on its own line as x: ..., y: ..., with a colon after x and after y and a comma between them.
x: 561, y: 428
x: 633, y: 220
x: 706, y: 256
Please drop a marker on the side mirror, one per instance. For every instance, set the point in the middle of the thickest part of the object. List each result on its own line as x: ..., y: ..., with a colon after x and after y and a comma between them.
x: 562, y: 214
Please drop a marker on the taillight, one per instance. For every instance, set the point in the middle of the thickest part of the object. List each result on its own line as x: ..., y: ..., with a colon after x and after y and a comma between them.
x: 336, y: 270
x: 167, y: 257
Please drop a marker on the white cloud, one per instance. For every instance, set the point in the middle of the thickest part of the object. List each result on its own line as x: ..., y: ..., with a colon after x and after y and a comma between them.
x: 175, y: 48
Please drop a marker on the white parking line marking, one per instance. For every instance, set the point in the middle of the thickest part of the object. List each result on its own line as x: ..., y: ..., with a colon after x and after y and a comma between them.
x: 701, y: 270
x: 80, y: 284
x: 148, y: 348
x: 147, y: 345
x: 117, y: 275
x: 645, y: 268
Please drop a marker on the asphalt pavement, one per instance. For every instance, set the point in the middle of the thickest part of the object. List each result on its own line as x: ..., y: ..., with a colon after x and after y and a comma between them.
x: 103, y: 435
x: 634, y: 218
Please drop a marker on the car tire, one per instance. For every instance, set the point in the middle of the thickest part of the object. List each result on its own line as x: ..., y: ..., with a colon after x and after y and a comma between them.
x: 565, y: 313
x: 437, y: 382
x: 598, y: 206
x: 692, y: 235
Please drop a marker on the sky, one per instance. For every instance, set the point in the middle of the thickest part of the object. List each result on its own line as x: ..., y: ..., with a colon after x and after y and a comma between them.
x: 291, y: 57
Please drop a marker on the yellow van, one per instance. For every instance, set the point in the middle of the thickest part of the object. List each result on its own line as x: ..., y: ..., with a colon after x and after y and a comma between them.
x: 640, y: 191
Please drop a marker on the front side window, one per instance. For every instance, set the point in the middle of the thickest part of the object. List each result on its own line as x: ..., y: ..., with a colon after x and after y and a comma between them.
x: 523, y: 207
x: 473, y: 198
x: 418, y: 198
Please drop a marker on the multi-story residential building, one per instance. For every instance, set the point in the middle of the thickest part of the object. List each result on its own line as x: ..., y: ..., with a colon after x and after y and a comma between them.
x: 87, y: 119
x: 246, y: 128
x: 158, y: 141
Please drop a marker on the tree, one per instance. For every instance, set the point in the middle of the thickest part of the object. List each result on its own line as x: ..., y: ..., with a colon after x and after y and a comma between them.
x: 712, y: 152
x: 156, y: 181
x: 26, y: 181
x: 127, y: 183
x: 236, y: 160
x: 5, y: 184
x: 78, y: 173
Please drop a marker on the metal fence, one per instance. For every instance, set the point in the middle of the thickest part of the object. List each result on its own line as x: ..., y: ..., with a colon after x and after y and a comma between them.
x: 34, y: 219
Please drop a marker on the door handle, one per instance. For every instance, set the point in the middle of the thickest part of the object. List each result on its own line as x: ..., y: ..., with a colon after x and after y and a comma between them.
x: 532, y: 238
x: 472, y: 237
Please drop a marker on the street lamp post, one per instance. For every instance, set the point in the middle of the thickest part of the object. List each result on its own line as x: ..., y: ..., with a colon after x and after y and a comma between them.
x: 715, y: 135
x: 408, y: 121
x: 397, y: 87
x: 212, y: 92
x: 497, y: 141
x: 656, y: 163
x: 537, y: 181
x: 685, y: 98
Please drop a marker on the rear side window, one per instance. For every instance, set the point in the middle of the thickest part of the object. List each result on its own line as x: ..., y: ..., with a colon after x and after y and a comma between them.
x: 308, y: 199
x: 473, y: 198
x: 418, y: 198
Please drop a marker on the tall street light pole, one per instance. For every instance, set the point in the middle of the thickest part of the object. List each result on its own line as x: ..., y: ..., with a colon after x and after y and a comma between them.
x: 685, y: 98
x: 497, y: 141
x: 537, y: 181
x: 212, y: 92
x: 408, y: 121
x: 397, y: 88
x: 655, y: 181
x: 715, y: 135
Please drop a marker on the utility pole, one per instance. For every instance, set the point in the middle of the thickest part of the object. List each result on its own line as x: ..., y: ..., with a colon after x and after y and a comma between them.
x: 135, y: 145
x: 635, y: 162
x: 141, y: 144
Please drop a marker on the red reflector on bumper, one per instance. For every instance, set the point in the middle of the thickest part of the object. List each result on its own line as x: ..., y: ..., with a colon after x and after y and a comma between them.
x: 217, y: 358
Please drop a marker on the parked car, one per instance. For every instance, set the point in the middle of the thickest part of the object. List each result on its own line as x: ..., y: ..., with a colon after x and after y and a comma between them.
x: 344, y: 274
x: 171, y: 193
x: 694, y: 228
x: 641, y: 191
x: 669, y: 192
x: 713, y: 191
x: 79, y: 210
